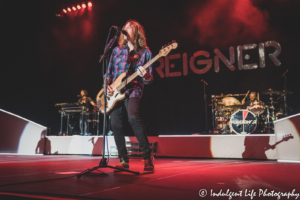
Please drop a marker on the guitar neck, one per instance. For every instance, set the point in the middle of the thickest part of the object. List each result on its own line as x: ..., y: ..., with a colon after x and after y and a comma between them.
x: 135, y: 74
x: 278, y: 142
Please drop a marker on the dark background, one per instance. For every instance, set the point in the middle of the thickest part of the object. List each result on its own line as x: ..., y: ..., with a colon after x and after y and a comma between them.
x: 47, y: 59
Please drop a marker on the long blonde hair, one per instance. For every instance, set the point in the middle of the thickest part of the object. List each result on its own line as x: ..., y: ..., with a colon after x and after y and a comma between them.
x: 139, y: 38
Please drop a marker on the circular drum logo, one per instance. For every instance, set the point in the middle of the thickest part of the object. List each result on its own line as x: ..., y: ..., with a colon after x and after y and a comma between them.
x: 243, y: 122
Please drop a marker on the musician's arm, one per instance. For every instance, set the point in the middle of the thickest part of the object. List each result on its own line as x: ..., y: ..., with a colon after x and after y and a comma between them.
x: 148, y: 78
x: 92, y: 102
x: 109, y: 69
x: 243, y: 101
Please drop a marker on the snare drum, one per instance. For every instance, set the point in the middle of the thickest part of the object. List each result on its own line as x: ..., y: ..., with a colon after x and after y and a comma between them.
x: 257, y: 107
x: 221, y: 121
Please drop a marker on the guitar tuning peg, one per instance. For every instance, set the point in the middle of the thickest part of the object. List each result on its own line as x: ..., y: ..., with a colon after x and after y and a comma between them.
x: 165, y: 46
x: 173, y: 41
x: 169, y: 43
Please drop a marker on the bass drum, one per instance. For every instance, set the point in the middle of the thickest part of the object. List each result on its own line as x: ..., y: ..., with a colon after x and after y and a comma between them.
x: 243, y: 122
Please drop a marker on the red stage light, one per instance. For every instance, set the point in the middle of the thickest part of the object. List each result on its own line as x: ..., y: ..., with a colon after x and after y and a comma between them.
x: 74, y: 8
x: 90, y: 4
x: 64, y: 10
x: 69, y: 9
x: 78, y: 7
x: 83, y: 5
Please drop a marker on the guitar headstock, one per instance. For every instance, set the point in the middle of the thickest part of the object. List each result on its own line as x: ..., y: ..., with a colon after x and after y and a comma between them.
x: 166, y: 49
x: 287, y: 137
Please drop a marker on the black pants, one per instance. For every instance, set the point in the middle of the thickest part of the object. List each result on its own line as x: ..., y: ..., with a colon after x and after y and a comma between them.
x: 132, y: 107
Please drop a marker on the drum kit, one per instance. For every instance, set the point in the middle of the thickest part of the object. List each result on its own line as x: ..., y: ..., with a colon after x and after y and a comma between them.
x: 231, y: 116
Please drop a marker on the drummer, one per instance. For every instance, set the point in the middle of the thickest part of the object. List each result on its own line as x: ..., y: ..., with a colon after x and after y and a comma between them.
x: 252, y: 99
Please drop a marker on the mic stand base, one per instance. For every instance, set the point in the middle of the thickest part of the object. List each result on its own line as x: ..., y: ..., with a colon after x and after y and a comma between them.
x: 103, y: 164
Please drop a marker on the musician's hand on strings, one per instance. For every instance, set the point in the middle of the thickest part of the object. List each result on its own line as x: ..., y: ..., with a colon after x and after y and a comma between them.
x: 143, y: 73
x: 110, y: 91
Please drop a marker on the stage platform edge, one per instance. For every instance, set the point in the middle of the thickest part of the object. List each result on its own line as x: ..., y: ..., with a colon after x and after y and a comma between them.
x: 190, y: 146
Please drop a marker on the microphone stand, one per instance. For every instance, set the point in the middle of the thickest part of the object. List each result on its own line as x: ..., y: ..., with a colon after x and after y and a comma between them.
x: 103, y: 161
x: 205, y: 100
x: 213, y: 113
x: 285, y: 92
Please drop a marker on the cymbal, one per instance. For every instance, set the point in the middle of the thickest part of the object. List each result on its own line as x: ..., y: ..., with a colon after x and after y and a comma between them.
x: 277, y: 92
x: 273, y: 92
x: 289, y: 92
x: 230, y: 101
x: 273, y: 102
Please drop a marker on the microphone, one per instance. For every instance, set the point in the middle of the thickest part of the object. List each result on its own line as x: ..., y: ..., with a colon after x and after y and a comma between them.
x: 120, y: 30
x: 204, y: 81
x: 286, y: 71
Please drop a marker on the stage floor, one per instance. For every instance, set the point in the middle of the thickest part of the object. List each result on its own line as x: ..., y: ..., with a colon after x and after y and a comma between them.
x: 54, y: 177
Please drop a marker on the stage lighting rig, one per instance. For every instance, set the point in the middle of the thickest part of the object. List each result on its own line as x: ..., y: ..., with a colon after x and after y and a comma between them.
x: 74, y: 9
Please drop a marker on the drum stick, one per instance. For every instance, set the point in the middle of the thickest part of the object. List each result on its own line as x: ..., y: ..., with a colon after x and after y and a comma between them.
x: 247, y: 94
x: 258, y: 96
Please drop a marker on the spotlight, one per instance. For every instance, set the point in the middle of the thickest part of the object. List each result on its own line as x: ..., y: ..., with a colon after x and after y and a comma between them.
x: 90, y: 4
x: 78, y: 7
x: 69, y: 9
x: 74, y: 8
x: 83, y: 5
x: 65, y: 11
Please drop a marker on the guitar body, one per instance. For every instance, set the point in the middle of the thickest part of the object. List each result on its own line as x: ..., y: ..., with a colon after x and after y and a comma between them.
x: 113, y: 100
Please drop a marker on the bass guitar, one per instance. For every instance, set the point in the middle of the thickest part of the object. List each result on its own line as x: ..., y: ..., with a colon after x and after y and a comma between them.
x: 120, y: 83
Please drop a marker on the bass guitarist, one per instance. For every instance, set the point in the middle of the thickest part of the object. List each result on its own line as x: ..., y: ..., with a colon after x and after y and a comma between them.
x: 131, y: 54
